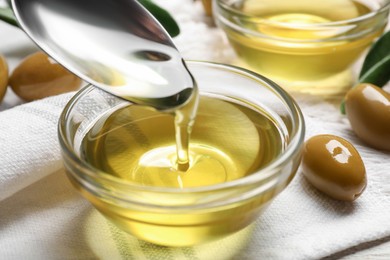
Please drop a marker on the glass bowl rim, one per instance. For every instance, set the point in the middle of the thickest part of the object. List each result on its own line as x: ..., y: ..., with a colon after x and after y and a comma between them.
x: 354, y: 20
x: 264, y: 173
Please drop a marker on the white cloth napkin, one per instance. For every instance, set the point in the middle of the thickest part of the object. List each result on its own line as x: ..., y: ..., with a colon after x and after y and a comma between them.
x: 43, y: 217
x: 29, y: 143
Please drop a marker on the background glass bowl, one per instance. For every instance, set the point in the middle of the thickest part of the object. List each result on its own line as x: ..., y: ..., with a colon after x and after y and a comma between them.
x: 303, y: 45
x: 184, y: 217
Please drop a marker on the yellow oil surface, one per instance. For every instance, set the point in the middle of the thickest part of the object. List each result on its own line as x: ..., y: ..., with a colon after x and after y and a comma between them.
x: 228, y: 141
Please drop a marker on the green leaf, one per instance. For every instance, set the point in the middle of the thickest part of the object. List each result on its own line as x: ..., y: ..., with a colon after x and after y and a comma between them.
x: 376, y: 66
x: 342, y: 107
x: 162, y: 16
x: 8, y: 16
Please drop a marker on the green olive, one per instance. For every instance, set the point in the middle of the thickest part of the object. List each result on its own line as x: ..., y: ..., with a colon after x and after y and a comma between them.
x: 3, y: 77
x: 39, y: 76
x: 368, y: 110
x: 334, y: 166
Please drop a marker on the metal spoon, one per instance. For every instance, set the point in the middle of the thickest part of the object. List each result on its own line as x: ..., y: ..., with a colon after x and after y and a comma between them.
x: 117, y: 46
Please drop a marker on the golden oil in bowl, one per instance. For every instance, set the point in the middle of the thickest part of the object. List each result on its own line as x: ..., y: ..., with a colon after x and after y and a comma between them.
x: 244, y: 149
x: 228, y: 142
x: 135, y: 144
x: 303, y: 45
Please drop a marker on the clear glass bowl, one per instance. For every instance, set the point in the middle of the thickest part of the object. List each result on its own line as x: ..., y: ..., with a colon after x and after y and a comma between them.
x: 303, y: 45
x: 184, y: 217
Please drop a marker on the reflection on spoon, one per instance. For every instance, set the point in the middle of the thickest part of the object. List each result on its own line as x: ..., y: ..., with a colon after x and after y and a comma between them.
x: 117, y: 46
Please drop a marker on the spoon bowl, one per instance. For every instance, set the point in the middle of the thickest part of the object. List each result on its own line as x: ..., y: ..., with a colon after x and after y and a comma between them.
x: 117, y: 46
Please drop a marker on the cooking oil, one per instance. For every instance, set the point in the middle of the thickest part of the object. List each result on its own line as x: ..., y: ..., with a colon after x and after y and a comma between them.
x: 228, y: 141
x: 293, y: 42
